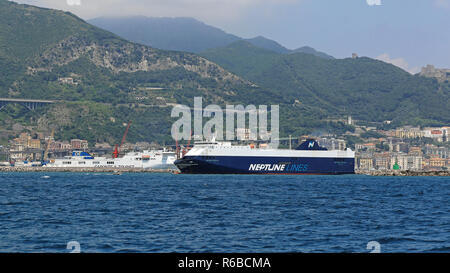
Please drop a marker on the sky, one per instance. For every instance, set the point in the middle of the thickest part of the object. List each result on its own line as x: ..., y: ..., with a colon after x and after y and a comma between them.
x: 407, y: 33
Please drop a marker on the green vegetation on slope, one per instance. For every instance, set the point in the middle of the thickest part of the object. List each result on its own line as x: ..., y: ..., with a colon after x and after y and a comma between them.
x: 115, y: 81
x: 48, y: 54
x: 365, y: 88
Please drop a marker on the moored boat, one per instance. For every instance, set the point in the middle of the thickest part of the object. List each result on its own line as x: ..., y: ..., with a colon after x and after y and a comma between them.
x: 154, y: 159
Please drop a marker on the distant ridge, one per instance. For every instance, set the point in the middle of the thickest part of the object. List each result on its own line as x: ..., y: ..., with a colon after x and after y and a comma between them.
x: 184, y: 34
x: 272, y: 45
x: 265, y: 43
x: 312, y: 51
x: 180, y: 34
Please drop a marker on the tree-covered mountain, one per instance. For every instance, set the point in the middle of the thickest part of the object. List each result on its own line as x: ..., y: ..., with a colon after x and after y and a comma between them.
x: 365, y: 88
x: 312, y: 51
x: 264, y: 43
x: 101, y: 79
x: 271, y: 45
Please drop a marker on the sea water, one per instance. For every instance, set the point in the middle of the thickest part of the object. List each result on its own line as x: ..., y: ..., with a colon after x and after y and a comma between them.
x: 47, y: 212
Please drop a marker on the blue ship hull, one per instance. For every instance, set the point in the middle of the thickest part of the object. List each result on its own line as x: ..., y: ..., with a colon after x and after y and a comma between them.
x: 265, y: 165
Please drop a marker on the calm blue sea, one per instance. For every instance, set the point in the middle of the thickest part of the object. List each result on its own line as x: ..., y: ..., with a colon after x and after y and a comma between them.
x: 222, y: 213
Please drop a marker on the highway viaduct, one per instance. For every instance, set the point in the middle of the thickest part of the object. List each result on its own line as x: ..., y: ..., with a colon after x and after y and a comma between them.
x: 31, y: 104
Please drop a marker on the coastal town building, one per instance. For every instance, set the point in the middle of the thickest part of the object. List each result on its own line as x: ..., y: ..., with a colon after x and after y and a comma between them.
x: 364, y: 163
x: 382, y: 161
x: 67, y: 80
x: 78, y: 144
x: 27, y: 141
x: 409, y: 132
x: 406, y: 162
x: 415, y: 151
x: 405, y: 148
x: 332, y: 143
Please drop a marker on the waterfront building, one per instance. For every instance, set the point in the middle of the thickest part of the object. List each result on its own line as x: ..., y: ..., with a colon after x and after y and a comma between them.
x: 437, y: 162
x: 382, y: 161
x: 364, y: 163
x: 406, y: 162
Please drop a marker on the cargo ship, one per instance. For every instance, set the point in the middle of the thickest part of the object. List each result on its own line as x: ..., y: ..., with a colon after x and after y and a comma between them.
x: 224, y: 158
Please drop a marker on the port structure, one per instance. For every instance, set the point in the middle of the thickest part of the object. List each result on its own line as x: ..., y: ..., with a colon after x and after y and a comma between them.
x: 116, y: 152
x: 30, y: 104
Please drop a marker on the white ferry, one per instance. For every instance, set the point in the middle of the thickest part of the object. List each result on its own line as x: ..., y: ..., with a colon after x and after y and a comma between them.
x: 154, y: 159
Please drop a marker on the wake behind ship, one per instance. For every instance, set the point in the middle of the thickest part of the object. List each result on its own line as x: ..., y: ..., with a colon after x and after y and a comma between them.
x: 223, y: 158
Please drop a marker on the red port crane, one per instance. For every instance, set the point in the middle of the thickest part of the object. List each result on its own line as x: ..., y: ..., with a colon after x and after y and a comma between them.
x: 185, y: 150
x: 117, y: 148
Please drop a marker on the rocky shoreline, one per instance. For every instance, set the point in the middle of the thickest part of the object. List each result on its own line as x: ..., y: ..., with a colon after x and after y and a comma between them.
x: 84, y: 170
x: 140, y: 170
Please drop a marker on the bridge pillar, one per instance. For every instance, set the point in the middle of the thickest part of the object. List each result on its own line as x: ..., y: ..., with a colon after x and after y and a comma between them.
x: 3, y: 104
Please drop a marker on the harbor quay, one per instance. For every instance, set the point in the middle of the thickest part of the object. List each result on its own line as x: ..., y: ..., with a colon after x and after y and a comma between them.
x: 402, y: 173
x: 84, y: 170
x: 147, y: 170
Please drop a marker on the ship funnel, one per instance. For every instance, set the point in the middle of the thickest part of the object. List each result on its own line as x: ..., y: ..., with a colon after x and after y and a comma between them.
x: 311, y: 145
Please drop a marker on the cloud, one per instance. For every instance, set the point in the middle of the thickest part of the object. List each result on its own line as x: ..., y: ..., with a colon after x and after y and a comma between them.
x: 399, y: 62
x: 74, y: 2
x: 210, y: 10
x: 373, y: 2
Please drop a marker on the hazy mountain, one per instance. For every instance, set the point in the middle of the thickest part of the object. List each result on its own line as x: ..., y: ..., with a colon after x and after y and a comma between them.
x: 182, y: 34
